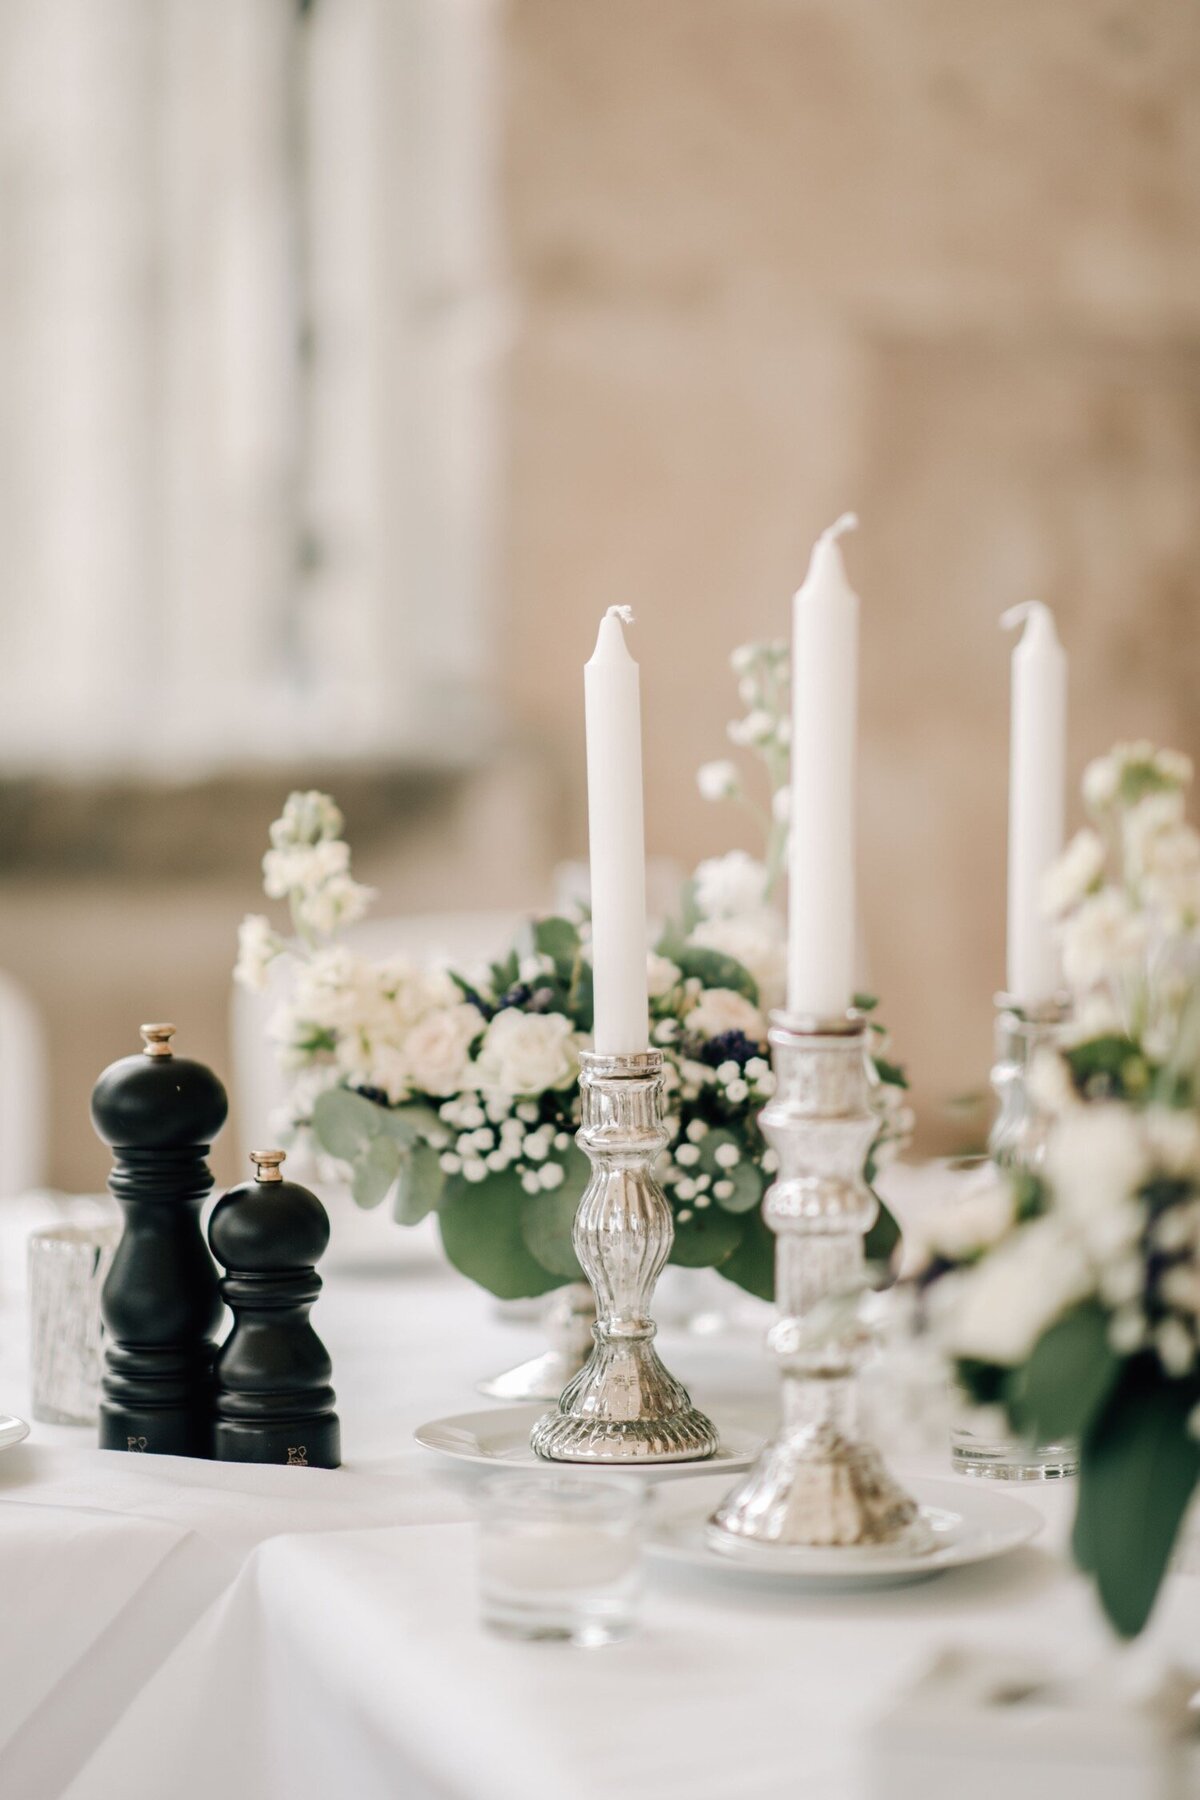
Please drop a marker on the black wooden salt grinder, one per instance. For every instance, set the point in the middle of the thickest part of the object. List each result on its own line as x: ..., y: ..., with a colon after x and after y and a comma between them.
x: 274, y: 1403
x: 161, y: 1304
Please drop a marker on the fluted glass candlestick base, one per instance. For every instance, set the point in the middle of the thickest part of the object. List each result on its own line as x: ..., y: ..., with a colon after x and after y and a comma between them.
x: 1018, y: 1137
x: 623, y: 1407
x: 820, y: 1481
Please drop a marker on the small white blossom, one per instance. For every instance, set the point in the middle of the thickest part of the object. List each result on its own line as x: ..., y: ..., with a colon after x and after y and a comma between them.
x: 717, y: 781
x: 685, y: 1188
x: 1175, y: 1346
x: 258, y: 946
x: 723, y: 1189
x: 530, y: 1182
x: 550, y: 1176
x: 1077, y: 872
x: 687, y: 1155
x: 697, y: 1131
x: 449, y: 1163
x: 736, y: 1092
x: 727, y: 1156
x: 474, y: 1169
x: 662, y: 976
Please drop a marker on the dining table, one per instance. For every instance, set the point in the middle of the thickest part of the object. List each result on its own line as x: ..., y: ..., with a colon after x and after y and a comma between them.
x: 180, y: 1629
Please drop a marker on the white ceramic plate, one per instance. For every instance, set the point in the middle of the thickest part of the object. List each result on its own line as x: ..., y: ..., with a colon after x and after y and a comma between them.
x: 12, y: 1431
x: 967, y: 1522
x: 501, y: 1436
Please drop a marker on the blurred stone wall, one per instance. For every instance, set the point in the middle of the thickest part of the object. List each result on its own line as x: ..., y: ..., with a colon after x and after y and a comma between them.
x: 935, y: 261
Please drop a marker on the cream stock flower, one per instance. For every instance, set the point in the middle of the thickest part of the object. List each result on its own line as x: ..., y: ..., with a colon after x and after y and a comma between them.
x: 729, y: 886
x: 1075, y: 873
x: 258, y: 946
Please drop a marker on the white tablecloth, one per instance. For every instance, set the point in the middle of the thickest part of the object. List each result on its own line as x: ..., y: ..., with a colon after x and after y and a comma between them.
x: 175, y: 1628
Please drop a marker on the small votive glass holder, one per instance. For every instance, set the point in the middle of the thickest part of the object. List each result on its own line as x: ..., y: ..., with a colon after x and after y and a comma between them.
x: 560, y: 1557
x: 67, y: 1269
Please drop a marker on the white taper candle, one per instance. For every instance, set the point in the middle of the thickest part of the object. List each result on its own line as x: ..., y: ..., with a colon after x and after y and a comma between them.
x: 1036, y: 794
x: 612, y: 706
x: 821, y: 901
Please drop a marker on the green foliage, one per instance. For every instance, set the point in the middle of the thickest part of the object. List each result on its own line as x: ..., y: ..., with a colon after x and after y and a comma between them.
x: 482, y: 1227
x: 706, y: 1240
x: 548, y: 1220
x: 344, y: 1122
x: 1068, y: 1378
x: 711, y: 967
x: 374, y: 1169
x: 418, y: 1186
x: 752, y: 1264
x: 883, y: 1239
x: 1138, y: 1469
x: 1109, y: 1067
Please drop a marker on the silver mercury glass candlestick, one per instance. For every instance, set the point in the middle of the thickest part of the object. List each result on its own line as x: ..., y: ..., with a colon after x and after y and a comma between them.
x: 819, y: 1481
x: 623, y: 1407
x: 1017, y: 1142
x: 1018, y: 1137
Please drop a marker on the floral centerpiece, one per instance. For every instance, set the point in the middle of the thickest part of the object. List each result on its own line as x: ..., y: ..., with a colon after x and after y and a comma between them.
x: 1070, y: 1296
x: 454, y: 1091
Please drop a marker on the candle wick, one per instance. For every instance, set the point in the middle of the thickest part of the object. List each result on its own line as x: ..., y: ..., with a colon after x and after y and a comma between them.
x: 624, y: 613
x: 839, y: 528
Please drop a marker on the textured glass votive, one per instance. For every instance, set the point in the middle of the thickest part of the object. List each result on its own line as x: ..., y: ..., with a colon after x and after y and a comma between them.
x: 67, y: 1267
x: 560, y: 1557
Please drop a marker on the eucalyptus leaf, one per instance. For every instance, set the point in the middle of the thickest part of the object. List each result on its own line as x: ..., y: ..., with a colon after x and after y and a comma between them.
x: 1067, y: 1379
x: 343, y: 1122
x: 747, y: 1188
x: 1138, y: 1470
x: 548, y: 1221
x: 480, y: 1223
x: 419, y: 1185
x: 705, y: 1240
x: 374, y: 1170
x: 752, y: 1263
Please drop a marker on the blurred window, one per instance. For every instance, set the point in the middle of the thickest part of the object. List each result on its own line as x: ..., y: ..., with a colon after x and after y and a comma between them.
x: 249, y: 321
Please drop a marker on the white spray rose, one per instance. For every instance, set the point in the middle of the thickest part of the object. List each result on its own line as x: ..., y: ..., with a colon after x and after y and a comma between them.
x: 526, y: 1053
x: 1096, y: 1160
x: 437, y: 1051
x: 719, y: 1010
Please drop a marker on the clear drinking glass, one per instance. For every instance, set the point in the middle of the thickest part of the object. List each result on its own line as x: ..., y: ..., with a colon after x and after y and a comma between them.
x: 67, y: 1268
x: 979, y: 1446
x: 560, y: 1557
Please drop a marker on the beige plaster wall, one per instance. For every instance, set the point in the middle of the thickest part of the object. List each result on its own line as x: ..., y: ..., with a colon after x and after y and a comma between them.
x: 937, y: 262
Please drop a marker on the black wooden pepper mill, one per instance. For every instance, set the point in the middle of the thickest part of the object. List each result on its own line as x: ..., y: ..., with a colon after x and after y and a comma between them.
x: 274, y: 1403
x: 161, y: 1303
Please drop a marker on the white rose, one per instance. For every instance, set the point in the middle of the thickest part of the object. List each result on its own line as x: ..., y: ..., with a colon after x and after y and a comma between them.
x: 973, y: 1217
x: 717, y: 780
x: 258, y: 946
x: 662, y: 975
x: 1096, y: 1160
x: 437, y: 1051
x: 526, y: 1053
x: 1001, y: 1307
x: 727, y: 886
x: 758, y: 941
x: 1075, y: 873
x: 1105, y: 940
x: 719, y: 1010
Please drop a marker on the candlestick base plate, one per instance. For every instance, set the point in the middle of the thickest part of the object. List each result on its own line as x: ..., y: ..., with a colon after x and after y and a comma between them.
x: 818, y: 1488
